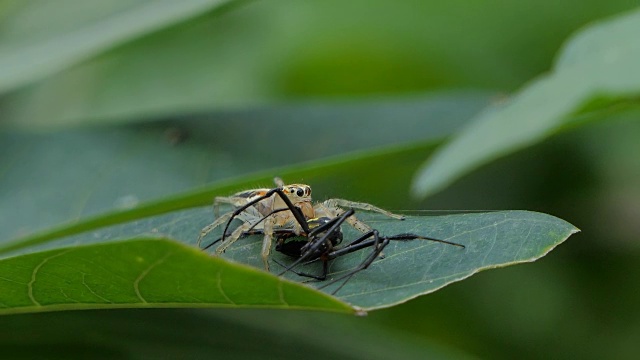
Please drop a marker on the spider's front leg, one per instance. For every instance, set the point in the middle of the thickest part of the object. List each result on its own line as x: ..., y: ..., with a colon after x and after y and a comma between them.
x: 335, y: 207
x: 342, y: 203
x: 209, y: 228
x: 235, y: 235
x: 267, y: 240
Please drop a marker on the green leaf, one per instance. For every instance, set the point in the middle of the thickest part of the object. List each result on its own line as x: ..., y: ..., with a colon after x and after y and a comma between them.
x: 409, y: 269
x: 143, y: 273
x: 601, y: 63
x: 41, y: 38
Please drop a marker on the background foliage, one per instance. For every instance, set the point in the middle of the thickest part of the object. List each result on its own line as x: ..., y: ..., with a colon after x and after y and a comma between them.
x: 101, y: 103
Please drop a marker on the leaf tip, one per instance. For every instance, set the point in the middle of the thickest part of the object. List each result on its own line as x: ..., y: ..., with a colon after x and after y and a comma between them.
x: 424, y: 184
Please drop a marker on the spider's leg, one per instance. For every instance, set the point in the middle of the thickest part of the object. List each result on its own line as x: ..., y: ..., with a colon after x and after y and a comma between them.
x: 207, y: 229
x: 266, y: 242
x: 278, y: 181
x: 244, y: 234
x: 362, y: 206
x: 335, y: 207
x: 234, y: 201
x: 235, y: 235
x: 331, y: 209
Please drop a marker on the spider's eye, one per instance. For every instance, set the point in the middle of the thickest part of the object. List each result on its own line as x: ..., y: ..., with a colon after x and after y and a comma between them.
x: 300, y: 192
x: 308, y: 191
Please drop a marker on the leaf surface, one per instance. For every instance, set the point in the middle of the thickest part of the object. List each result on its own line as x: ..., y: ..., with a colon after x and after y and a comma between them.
x: 409, y: 268
x: 41, y: 38
x: 601, y: 63
x: 143, y: 273
x: 269, y: 52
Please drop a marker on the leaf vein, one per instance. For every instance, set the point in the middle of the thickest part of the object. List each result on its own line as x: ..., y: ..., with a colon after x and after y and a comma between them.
x: 93, y: 292
x: 136, y: 283
x: 35, y: 272
x: 281, y: 293
x: 224, y: 294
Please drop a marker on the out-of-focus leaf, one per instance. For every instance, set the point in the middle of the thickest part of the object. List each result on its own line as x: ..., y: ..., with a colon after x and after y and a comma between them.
x: 143, y: 273
x: 602, y: 64
x: 40, y: 38
x: 67, y: 177
x: 283, y: 50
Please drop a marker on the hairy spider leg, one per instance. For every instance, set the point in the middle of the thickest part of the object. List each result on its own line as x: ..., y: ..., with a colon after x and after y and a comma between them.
x: 334, y: 208
x: 231, y: 200
x: 247, y: 232
x: 235, y: 235
x: 209, y: 228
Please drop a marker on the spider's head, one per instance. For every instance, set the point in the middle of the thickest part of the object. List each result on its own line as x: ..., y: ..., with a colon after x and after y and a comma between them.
x: 298, y: 192
x: 300, y: 196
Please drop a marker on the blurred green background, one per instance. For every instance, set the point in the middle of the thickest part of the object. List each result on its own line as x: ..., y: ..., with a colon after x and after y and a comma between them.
x: 263, y: 79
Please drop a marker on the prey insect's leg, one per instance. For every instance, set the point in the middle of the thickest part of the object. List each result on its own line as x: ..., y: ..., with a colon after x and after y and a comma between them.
x: 315, y: 243
x: 325, y: 270
x: 378, y: 243
x: 378, y: 247
x: 406, y: 237
x: 360, y: 243
x: 355, y: 245
x: 207, y: 229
